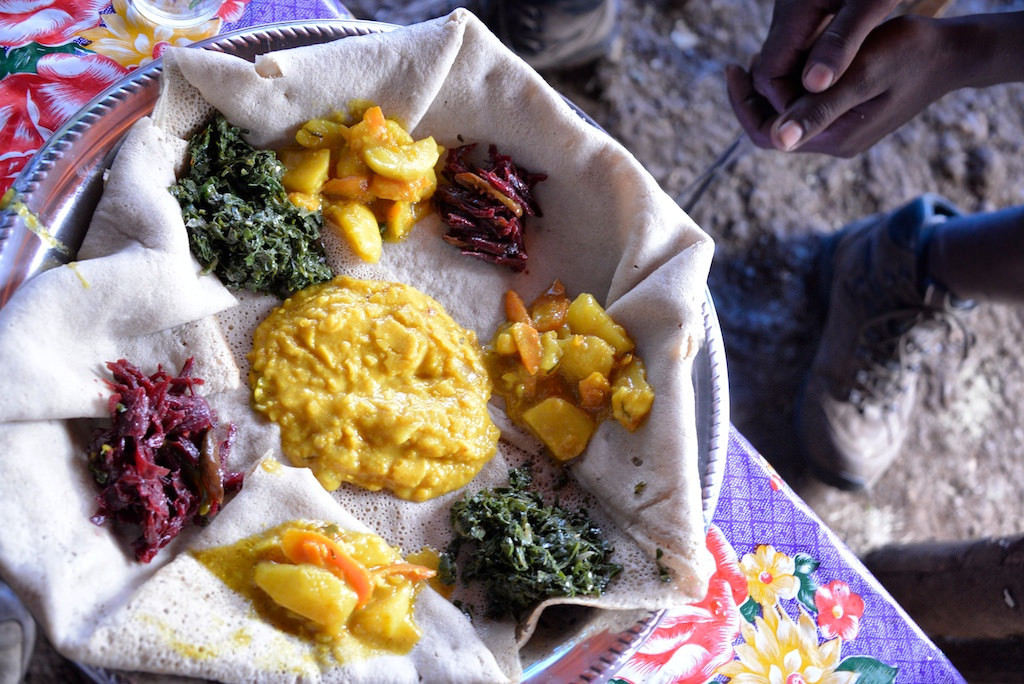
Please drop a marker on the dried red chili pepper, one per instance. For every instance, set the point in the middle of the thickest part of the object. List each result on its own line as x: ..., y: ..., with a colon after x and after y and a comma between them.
x: 484, y: 205
x: 159, y: 465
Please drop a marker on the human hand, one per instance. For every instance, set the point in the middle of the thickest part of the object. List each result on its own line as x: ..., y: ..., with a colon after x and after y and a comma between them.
x: 811, y: 43
x: 902, y: 66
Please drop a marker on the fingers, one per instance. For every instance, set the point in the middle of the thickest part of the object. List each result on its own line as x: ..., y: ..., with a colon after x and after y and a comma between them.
x: 853, y: 74
x: 899, y: 70
x: 794, y: 26
x: 753, y: 112
x: 834, y: 49
x: 809, y: 115
x: 811, y: 43
x: 812, y: 114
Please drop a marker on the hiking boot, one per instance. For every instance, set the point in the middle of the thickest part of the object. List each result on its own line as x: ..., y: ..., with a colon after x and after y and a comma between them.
x: 17, y: 637
x: 884, y: 318
x: 558, y: 34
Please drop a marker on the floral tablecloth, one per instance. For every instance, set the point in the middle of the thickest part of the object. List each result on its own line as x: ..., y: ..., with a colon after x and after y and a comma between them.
x: 59, y: 54
x: 789, y: 604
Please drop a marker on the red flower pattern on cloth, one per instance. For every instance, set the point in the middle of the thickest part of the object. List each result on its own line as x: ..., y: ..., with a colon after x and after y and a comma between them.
x: 47, y: 22
x: 32, y: 106
x: 232, y: 10
x: 692, y: 642
x: 839, y: 610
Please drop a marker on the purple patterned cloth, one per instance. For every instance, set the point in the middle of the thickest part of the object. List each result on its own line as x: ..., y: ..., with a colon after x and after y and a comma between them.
x: 260, y: 12
x: 788, y: 598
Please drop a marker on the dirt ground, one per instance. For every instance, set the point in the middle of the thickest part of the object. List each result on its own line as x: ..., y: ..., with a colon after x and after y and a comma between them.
x: 661, y: 93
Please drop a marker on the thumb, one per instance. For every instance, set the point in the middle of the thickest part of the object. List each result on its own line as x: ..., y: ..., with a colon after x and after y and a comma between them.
x: 811, y: 114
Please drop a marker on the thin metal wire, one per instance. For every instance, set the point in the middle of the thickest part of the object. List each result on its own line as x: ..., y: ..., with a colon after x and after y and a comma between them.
x: 688, y: 198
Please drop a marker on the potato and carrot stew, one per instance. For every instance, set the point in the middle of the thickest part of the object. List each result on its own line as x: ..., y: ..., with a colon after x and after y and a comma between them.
x: 563, y: 366
x: 371, y: 179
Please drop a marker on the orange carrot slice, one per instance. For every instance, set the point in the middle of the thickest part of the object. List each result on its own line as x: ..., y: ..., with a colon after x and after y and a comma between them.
x: 355, y: 187
x: 515, y: 308
x: 527, y: 341
x: 375, y: 122
x: 307, y: 546
x: 411, y: 571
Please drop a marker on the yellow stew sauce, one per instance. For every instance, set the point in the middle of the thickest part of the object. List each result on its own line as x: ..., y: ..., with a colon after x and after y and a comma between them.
x: 374, y: 384
x: 348, y: 592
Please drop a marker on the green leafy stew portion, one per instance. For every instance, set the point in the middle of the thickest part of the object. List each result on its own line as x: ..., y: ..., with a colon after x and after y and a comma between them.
x: 525, y: 551
x: 241, y: 225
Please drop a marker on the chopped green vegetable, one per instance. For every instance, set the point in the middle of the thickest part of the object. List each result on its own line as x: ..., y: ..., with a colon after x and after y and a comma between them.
x: 240, y: 222
x: 663, y: 573
x: 525, y: 551
x: 446, y: 570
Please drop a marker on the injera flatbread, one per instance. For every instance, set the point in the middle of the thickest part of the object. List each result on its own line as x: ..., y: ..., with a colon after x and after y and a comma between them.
x: 607, y: 229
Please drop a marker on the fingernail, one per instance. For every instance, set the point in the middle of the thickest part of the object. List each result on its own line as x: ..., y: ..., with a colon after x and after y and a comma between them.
x: 818, y: 78
x: 790, y: 134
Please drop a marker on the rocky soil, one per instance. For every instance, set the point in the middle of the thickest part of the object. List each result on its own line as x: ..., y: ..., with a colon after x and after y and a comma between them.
x: 661, y: 93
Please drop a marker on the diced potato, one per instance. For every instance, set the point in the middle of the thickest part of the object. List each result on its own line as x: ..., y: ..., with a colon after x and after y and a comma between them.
x: 632, y: 396
x: 586, y: 317
x: 306, y: 170
x: 551, y: 351
x: 387, y: 617
x: 371, y: 131
x: 395, y: 191
x: 396, y: 133
x: 371, y: 550
x: 502, y: 343
x: 359, y: 227
x: 313, y: 593
x: 403, y: 162
x: 585, y: 359
x: 563, y: 428
x: 321, y: 133
x: 404, y: 191
x: 349, y: 163
x: 585, y: 354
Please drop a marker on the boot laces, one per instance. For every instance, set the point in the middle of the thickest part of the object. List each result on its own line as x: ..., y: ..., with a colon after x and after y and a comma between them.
x: 892, y: 347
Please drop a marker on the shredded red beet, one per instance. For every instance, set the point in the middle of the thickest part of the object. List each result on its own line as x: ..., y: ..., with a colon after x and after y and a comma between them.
x: 159, y: 465
x: 484, y: 205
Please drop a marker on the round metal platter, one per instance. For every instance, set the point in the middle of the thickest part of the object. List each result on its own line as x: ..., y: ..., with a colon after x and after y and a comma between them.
x: 60, y: 187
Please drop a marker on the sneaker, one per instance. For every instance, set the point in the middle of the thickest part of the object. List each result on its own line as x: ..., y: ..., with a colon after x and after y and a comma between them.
x: 884, y: 319
x: 558, y: 34
x: 17, y: 637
